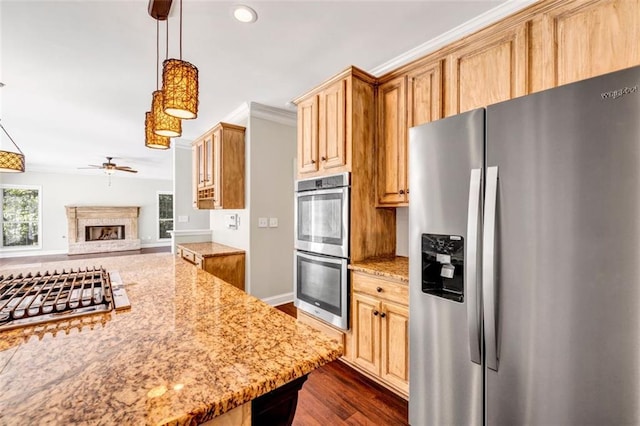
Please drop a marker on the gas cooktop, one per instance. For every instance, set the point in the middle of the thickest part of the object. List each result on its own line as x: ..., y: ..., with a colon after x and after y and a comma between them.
x: 44, y: 297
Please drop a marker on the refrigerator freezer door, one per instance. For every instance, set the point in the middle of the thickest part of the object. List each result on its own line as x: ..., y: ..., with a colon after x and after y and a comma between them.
x: 567, y: 253
x: 445, y: 384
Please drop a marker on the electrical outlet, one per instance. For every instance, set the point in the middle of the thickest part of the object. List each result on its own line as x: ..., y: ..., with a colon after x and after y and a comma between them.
x: 273, y: 222
x: 183, y: 219
x: 262, y: 222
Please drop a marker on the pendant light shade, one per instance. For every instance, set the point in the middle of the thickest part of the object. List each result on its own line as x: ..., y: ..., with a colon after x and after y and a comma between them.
x: 180, y: 87
x: 151, y: 140
x: 11, y: 162
x: 164, y: 124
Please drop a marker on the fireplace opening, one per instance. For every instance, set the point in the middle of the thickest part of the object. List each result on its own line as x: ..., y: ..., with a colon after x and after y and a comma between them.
x: 99, y: 233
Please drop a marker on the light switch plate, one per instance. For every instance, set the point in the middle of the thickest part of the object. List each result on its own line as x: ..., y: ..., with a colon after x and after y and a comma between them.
x: 183, y: 219
x: 262, y: 222
x: 273, y: 222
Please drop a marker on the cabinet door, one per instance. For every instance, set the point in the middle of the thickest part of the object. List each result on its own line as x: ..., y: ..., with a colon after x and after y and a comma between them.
x: 392, y: 142
x: 395, y: 345
x: 208, y: 163
x: 331, y: 126
x: 308, y: 135
x: 366, y: 332
x: 201, y: 163
x: 194, y: 174
x: 491, y: 68
x: 218, y: 190
x: 586, y: 38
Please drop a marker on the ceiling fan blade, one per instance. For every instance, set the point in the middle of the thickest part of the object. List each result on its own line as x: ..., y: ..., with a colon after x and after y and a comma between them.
x: 128, y: 169
x: 122, y: 167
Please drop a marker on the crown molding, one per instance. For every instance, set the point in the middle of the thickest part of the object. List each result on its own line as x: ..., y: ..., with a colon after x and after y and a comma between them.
x: 266, y: 112
x: 489, y: 17
x: 238, y: 115
x: 278, y: 115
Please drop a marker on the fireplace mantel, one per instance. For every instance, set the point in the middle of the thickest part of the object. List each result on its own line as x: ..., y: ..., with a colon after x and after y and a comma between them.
x: 79, y: 217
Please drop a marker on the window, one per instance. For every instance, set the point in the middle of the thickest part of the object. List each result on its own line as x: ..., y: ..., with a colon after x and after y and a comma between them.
x: 20, y: 216
x: 165, y: 215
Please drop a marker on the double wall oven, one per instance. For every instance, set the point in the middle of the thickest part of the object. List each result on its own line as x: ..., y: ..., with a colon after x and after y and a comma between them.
x: 322, y: 248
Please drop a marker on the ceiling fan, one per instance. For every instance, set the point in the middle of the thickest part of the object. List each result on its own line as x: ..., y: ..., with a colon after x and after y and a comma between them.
x: 110, y: 168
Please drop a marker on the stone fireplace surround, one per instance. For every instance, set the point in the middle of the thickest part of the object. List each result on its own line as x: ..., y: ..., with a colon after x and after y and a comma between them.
x: 79, y: 217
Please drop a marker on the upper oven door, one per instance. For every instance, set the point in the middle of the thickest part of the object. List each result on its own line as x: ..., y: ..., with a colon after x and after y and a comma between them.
x: 322, y: 221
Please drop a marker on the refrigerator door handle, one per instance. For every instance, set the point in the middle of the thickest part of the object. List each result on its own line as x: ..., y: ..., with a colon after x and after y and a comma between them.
x: 471, y: 273
x: 489, y: 268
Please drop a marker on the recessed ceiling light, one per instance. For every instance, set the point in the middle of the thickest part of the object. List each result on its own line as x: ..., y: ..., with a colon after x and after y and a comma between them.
x: 245, y: 14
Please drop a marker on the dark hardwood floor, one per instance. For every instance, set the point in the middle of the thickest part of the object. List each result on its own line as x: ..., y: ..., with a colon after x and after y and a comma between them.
x: 11, y: 261
x: 336, y: 394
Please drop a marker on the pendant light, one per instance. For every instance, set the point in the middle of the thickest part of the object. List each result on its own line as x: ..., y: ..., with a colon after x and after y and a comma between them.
x: 11, y: 162
x: 163, y: 124
x: 180, y: 85
x: 151, y: 140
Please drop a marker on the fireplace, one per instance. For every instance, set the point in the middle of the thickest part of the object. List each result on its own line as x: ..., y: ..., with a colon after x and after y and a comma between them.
x: 96, y: 233
x: 98, y: 229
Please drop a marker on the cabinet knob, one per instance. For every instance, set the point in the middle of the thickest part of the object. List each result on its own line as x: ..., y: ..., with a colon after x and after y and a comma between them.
x: 375, y: 313
x: 401, y: 192
x: 323, y: 158
x: 379, y: 289
x: 313, y: 161
x: 382, y: 315
x: 407, y: 190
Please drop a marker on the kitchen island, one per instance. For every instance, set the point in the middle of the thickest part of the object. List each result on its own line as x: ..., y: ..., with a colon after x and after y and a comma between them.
x: 191, y: 348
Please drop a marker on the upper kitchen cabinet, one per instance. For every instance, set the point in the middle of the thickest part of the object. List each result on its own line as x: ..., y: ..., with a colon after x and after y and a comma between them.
x: 219, y: 168
x: 581, y: 39
x: 405, y: 101
x: 486, y: 68
x: 327, y: 128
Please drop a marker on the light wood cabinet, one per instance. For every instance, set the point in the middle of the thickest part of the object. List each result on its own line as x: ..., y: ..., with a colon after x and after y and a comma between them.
x: 489, y: 68
x: 219, y: 165
x: 332, y: 119
x: 322, y: 131
x: 392, y: 143
x: 380, y: 330
x: 227, y: 267
x: 332, y: 141
x: 308, y: 135
x: 403, y: 102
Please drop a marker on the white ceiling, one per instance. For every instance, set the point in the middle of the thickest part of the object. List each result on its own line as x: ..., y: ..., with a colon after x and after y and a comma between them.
x: 79, y: 74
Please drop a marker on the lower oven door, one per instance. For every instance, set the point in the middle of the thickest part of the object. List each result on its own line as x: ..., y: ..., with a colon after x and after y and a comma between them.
x: 322, y: 287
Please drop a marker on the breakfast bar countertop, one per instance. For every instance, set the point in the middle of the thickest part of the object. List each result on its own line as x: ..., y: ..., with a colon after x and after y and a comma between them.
x: 190, y: 348
x: 210, y: 249
x: 392, y: 267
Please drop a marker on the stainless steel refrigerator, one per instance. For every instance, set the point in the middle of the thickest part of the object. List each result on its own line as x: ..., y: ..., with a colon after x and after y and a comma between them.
x: 524, y: 260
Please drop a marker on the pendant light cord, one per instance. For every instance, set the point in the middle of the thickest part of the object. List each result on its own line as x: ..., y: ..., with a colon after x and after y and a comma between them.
x: 180, y: 29
x: 10, y: 138
x: 166, y: 42
x: 157, y: 54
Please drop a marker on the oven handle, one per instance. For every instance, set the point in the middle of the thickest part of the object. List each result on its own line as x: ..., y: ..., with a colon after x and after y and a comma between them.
x: 322, y: 258
x: 341, y: 190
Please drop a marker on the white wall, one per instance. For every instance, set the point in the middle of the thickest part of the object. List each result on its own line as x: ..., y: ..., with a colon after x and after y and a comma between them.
x: 60, y: 190
x: 273, y: 148
x: 270, y: 149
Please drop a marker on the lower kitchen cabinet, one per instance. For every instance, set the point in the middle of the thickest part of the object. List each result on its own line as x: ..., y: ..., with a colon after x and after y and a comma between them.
x: 380, y: 330
x: 229, y: 267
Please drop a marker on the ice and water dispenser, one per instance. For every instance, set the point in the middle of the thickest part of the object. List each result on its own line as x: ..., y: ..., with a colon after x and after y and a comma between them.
x: 443, y: 266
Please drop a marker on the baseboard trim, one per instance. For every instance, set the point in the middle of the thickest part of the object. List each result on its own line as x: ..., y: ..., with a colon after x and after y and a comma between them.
x: 162, y: 244
x: 280, y: 299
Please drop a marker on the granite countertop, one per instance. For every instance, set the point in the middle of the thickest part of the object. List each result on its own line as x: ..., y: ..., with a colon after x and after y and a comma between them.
x: 393, y: 267
x: 190, y: 348
x: 210, y: 249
